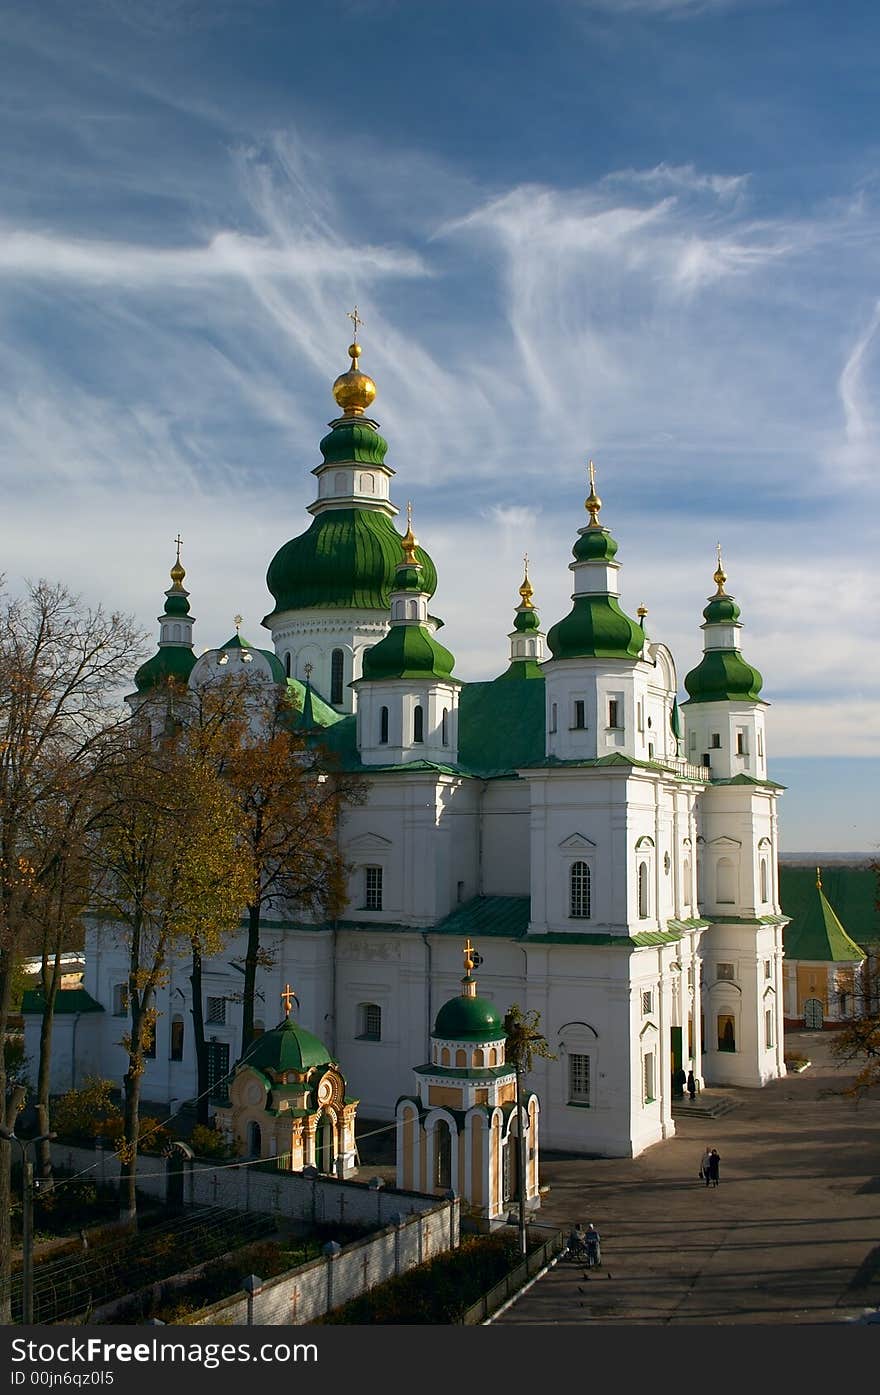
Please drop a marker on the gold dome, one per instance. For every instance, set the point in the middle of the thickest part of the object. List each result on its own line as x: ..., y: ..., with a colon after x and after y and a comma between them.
x: 353, y: 390
x: 178, y: 571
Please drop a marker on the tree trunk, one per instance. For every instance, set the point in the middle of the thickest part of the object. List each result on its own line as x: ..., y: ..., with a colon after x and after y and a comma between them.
x: 131, y: 1119
x: 203, y: 1112
x: 50, y: 980
x: 521, y: 1161
x: 8, y: 1111
x: 251, y: 961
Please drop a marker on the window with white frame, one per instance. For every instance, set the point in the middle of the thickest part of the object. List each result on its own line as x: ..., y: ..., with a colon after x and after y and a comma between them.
x: 418, y: 723
x: 764, y: 882
x: 177, y: 1037
x: 120, y: 1000
x: 715, y: 742
x: 580, y: 714
x: 370, y: 1022
x: 553, y: 712
x: 742, y: 748
x: 769, y: 1039
x: 768, y: 968
x: 647, y: 1002
x: 578, y: 1079
x: 615, y: 712
x: 383, y: 726
x: 215, y: 1013
x: 643, y: 891
x: 648, y: 1077
x: 372, y: 888
x: 579, y: 891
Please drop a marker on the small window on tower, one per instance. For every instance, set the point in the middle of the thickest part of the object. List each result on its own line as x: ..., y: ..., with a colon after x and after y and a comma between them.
x: 715, y: 743
x: 741, y: 747
x: 613, y: 712
x: 337, y: 662
x: 553, y: 711
x: 419, y: 724
x: 383, y: 727
x: 579, y: 714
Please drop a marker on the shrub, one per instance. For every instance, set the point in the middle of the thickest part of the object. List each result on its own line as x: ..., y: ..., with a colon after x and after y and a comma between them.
x: 82, y: 1115
x: 208, y: 1142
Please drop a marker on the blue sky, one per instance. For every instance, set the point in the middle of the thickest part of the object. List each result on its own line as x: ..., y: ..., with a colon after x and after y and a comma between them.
x: 646, y: 231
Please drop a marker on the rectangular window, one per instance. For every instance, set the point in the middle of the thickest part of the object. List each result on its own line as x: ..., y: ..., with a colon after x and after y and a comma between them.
x: 553, y: 716
x: 768, y: 1028
x: 648, y: 1076
x: 726, y: 971
x: 370, y: 1022
x: 715, y: 743
x: 760, y: 743
x: 580, y: 718
x: 120, y: 1000
x: 614, y: 712
x: 692, y: 740
x: 640, y: 717
x: 373, y: 888
x: 578, y: 1079
x: 726, y: 1032
x: 768, y: 968
x: 741, y: 747
x: 647, y: 1003
x: 216, y: 1012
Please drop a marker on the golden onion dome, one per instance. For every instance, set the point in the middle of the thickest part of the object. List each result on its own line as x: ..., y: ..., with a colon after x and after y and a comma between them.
x: 353, y: 390
x: 178, y: 572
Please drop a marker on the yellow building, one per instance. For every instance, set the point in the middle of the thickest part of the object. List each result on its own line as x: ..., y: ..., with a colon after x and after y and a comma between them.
x: 461, y: 1129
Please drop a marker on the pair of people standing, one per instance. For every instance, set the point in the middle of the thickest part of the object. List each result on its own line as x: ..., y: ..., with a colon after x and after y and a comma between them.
x: 710, y: 1166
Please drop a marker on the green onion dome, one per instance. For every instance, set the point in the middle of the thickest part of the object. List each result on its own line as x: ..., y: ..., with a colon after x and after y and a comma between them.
x: 526, y: 621
x: 287, y: 1047
x: 594, y: 545
x: 596, y: 627
x: 721, y: 610
x: 172, y: 664
x: 468, y: 1019
x: 346, y: 560
x: 353, y: 441
x: 722, y: 675
x: 408, y: 651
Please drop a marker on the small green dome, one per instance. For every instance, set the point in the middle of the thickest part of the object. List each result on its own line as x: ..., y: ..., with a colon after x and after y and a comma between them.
x: 176, y: 603
x: 723, y: 675
x: 346, y: 560
x: 721, y: 610
x: 526, y: 621
x: 172, y: 663
x: 287, y: 1047
x: 596, y: 627
x: 594, y: 545
x: 237, y: 642
x: 468, y: 1019
x: 407, y: 651
x: 353, y: 441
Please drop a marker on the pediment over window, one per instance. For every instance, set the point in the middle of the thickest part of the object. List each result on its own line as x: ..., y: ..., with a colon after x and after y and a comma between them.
x: 725, y: 842
x: 576, y: 842
x: 369, y: 842
x: 645, y: 841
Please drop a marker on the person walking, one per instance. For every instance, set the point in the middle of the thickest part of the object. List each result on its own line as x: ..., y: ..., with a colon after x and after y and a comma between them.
x: 678, y: 1082
x: 691, y: 1086
x: 714, y: 1168
x: 593, y: 1245
x: 704, y: 1164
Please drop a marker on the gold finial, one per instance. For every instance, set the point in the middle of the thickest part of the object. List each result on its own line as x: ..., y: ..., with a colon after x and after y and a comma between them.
x: 239, y: 621
x: 178, y: 572
x: 307, y: 670
x: 353, y: 390
x: 593, y: 503
x: 720, y: 574
x: 409, y: 542
x: 818, y: 878
x: 641, y: 613
x: 287, y: 997
x: 526, y: 590
x: 468, y: 984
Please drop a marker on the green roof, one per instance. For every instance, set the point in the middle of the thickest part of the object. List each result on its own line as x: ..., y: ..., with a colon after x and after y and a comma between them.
x: 173, y: 663
x: 594, y: 545
x: 407, y: 651
x: 488, y: 915
x: 721, y: 610
x: 287, y: 1047
x: 322, y: 714
x: 500, y: 725
x: 353, y: 442
x: 468, y: 1019
x: 347, y: 559
x: 848, y: 892
x: 722, y: 675
x: 237, y: 641
x: 521, y: 668
x: 526, y: 620
x: 67, y: 1000
x: 596, y: 627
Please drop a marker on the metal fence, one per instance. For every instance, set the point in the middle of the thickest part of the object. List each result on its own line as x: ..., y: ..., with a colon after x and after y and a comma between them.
x: 533, y: 1263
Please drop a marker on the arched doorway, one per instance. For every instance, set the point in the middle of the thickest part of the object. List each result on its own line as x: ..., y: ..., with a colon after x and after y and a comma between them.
x: 176, y: 1165
x: 255, y: 1140
x: 442, y: 1156
x: 324, y: 1144
x: 813, y: 1014
x: 510, y: 1167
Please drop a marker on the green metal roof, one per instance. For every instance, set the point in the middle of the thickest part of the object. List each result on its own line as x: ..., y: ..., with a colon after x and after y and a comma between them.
x: 287, y: 1047
x: 408, y: 651
x: 596, y: 627
x: 468, y: 1019
x: 67, y: 1000
x: 722, y: 675
x: 500, y: 726
x: 173, y: 663
x: 816, y: 931
x: 488, y: 915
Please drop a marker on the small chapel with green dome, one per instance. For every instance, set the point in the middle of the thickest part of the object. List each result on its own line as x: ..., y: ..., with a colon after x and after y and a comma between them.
x: 606, y: 834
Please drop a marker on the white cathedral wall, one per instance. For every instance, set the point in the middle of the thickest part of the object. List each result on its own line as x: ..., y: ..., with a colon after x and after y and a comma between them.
x: 302, y: 637
x: 503, y: 850
x: 736, y: 984
x: 731, y: 734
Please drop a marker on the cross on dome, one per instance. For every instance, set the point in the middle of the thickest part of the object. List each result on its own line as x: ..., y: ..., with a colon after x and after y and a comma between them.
x: 288, y: 997
x: 720, y: 574
x: 239, y: 621
x: 593, y: 503
x: 356, y: 321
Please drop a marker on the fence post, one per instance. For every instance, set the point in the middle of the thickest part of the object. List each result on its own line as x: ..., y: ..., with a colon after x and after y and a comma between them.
x: 398, y: 1220
x: 332, y: 1252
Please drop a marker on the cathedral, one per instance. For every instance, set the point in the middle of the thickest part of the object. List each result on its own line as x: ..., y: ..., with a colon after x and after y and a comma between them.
x: 607, y: 844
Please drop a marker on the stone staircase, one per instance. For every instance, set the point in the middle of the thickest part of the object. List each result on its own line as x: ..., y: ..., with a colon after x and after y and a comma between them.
x: 709, y: 1104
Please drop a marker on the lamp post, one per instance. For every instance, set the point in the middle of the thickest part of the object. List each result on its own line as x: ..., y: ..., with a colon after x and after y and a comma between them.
x: 27, y: 1233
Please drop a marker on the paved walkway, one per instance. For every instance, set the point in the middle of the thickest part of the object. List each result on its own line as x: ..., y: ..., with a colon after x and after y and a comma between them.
x: 791, y: 1235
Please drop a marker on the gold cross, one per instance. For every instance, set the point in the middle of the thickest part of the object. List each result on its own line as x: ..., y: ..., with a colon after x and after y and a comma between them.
x: 178, y: 541
x: 468, y: 956
x: 356, y: 321
x: 718, y: 552
x: 592, y: 476
x: 287, y: 997
x: 239, y: 620
x: 409, y: 513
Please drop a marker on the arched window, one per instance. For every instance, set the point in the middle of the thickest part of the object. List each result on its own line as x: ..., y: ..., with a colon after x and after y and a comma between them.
x: 255, y: 1140
x: 725, y: 882
x: 643, y: 891
x: 370, y: 1022
x: 398, y: 610
x: 686, y: 880
x: 177, y: 1038
x: 419, y: 723
x: 531, y: 648
x: 442, y: 1155
x: 177, y: 632
x: 339, y: 483
x: 444, y: 1056
x: 460, y: 1057
x: 383, y: 727
x: 520, y: 647
x: 444, y: 727
x: 553, y: 713
x: 579, y: 891
x: 764, y: 896
x: 337, y: 662
x: 368, y: 484
x: 478, y: 1058
x: 287, y: 664
x: 412, y: 610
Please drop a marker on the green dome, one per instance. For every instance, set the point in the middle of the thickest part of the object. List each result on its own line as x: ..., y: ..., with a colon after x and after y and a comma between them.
x: 287, y: 1047
x: 407, y: 651
x: 173, y: 663
x: 526, y: 621
x: 177, y: 604
x: 353, y: 441
x: 721, y: 610
x: 594, y: 545
x: 468, y: 1019
x: 723, y: 676
x: 275, y: 664
x: 347, y: 559
x: 596, y: 627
